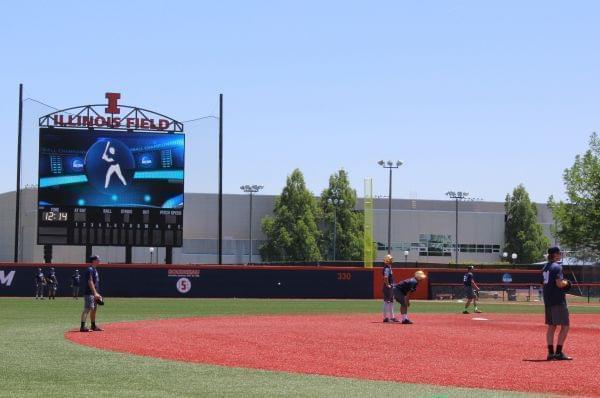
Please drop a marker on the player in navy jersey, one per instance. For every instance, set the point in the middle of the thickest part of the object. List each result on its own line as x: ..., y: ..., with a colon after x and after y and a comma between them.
x: 388, y: 290
x: 40, y: 282
x: 52, y: 284
x: 91, y: 296
x: 555, y: 304
x: 402, y: 293
x: 75, y: 279
x: 471, y: 290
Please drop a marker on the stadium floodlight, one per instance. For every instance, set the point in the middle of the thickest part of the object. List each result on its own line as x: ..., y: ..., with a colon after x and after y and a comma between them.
x: 406, y: 256
x: 504, y: 255
x: 456, y: 195
x: 250, y: 189
x: 390, y: 165
x: 514, y: 257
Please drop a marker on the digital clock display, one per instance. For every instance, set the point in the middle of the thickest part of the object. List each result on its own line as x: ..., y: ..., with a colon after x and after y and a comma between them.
x: 55, y: 216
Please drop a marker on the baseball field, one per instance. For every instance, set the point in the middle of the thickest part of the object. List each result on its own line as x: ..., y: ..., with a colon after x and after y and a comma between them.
x: 267, y: 348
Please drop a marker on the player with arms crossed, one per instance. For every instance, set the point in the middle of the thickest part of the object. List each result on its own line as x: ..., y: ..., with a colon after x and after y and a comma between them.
x: 471, y: 291
x: 555, y: 304
x: 91, y: 295
x: 402, y: 293
x: 388, y: 290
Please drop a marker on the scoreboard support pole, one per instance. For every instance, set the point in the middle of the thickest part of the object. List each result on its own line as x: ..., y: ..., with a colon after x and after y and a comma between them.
x: 88, y: 253
x: 128, y: 254
x: 168, y: 255
x: 48, y: 254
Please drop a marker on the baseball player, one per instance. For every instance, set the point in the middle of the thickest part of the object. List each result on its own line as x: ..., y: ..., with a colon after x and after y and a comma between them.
x: 91, y: 295
x: 52, y: 284
x: 75, y: 278
x: 555, y: 304
x: 388, y: 290
x: 40, y: 282
x: 402, y: 294
x: 471, y: 290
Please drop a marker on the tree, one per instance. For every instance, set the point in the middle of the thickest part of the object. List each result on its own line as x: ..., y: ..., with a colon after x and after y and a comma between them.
x: 523, y: 234
x: 578, y: 219
x: 292, y: 232
x: 348, y: 222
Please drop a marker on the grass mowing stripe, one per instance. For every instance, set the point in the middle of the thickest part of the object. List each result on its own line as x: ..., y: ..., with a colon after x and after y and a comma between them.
x: 36, y: 360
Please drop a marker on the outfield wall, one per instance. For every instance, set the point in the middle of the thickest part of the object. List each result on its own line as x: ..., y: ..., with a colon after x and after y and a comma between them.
x: 145, y: 280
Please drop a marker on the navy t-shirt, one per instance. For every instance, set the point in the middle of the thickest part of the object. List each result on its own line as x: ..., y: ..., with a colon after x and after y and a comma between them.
x: 468, y: 279
x: 91, y: 272
x: 39, y: 277
x: 387, y: 272
x: 52, y: 279
x: 408, y: 285
x: 553, y: 295
x: 75, y: 278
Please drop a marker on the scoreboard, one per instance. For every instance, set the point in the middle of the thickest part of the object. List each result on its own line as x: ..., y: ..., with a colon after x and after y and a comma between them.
x: 113, y: 188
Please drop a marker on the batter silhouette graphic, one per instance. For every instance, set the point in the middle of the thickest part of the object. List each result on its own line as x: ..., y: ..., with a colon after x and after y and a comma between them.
x: 113, y: 168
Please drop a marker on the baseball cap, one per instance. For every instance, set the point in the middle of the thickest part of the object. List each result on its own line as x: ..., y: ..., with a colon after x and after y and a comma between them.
x: 553, y: 250
x: 471, y: 267
x: 94, y: 257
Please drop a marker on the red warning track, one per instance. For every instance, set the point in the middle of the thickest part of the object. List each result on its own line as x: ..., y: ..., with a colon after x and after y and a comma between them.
x: 505, y: 352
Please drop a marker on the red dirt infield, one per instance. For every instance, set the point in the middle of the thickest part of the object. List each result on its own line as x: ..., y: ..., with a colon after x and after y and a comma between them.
x: 504, y: 352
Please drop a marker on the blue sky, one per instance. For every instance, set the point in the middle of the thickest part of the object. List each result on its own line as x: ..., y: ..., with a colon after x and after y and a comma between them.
x: 471, y: 95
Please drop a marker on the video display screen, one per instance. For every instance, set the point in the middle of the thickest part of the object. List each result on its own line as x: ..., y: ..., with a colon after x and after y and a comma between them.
x: 113, y: 180
x: 111, y: 169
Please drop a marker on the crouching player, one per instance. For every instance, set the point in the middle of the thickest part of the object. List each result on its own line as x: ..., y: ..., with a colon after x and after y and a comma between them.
x: 402, y: 293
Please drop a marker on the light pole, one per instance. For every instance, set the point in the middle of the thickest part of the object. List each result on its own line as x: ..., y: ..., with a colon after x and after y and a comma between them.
x: 405, y: 256
x: 151, y: 250
x: 505, y: 256
x: 251, y: 189
x: 390, y: 165
x: 514, y: 257
x: 456, y: 196
x: 335, y: 202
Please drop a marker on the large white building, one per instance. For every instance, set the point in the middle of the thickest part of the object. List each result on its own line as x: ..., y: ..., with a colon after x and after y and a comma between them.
x: 424, y: 228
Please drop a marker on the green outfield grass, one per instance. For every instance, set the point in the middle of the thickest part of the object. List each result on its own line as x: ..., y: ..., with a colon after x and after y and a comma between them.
x: 36, y: 360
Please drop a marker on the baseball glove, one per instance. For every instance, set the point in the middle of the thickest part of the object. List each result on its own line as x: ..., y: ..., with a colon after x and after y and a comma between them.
x: 567, y: 285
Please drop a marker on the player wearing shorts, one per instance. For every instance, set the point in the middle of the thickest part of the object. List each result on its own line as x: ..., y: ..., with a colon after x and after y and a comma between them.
x: 388, y: 290
x: 91, y: 296
x: 555, y: 304
x: 471, y: 291
x: 402, y: 293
